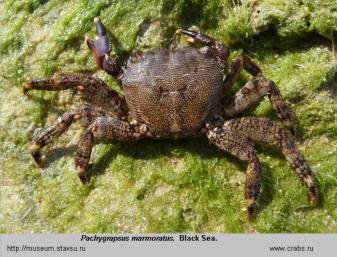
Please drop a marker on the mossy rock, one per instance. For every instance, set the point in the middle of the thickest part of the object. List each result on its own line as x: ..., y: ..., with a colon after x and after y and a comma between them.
x: 165, y: 186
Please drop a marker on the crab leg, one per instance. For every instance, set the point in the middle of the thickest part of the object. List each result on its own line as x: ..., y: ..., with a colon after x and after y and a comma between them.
x: 242, y: 62
x: 241, y: 148
x: 234, y: 138
x: 85, y: 113
x: 218, y: 49
x: 92, y: 90
x: 101, y: 49
x: 104, y: 127
x: 266, y: 131
x: 252, y: 92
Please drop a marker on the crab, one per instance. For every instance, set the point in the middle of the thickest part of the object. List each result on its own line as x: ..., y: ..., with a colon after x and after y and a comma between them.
x: 175, y: 93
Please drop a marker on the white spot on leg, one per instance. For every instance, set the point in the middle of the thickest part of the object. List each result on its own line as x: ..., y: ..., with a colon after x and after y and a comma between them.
x: 211, y: 134
x: 133, y: 122
x: 191, y: 40
x: 33, y: 148
x: 143, y: 129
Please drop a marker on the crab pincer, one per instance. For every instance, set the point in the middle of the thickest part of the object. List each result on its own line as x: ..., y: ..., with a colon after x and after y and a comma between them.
x: 99, y: 47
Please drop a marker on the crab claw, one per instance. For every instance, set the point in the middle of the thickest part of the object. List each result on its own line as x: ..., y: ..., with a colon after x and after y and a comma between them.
x: 99, y: 47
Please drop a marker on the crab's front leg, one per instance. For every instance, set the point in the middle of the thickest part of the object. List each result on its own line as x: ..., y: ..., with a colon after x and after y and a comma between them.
x: 101, y: 49
x: 92, y: 90
x: 109, y: 128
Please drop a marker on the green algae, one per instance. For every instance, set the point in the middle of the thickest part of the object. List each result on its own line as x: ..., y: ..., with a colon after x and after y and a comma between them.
x: 166, y: 186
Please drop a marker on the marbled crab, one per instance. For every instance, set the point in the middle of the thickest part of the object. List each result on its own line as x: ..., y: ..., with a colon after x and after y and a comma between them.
x: 175, y: 93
